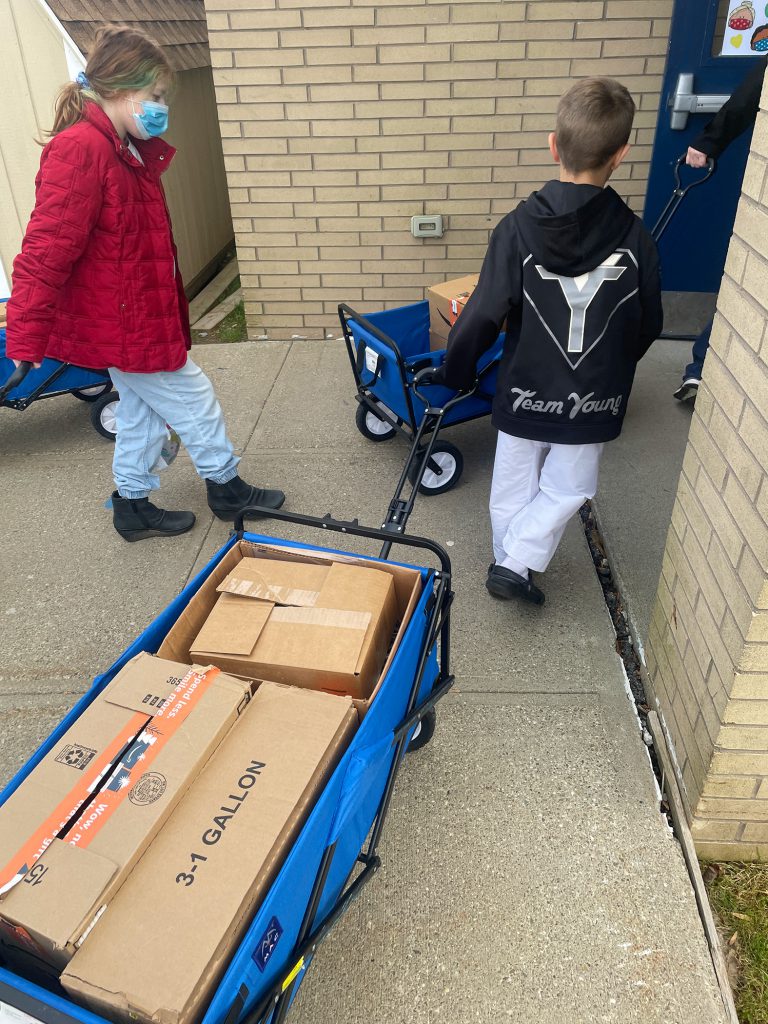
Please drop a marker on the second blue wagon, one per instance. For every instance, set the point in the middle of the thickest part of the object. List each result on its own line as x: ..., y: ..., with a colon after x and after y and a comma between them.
x: 392, y: 362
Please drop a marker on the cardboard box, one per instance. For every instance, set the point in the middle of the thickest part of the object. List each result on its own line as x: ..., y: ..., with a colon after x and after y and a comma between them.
x: 272, y: 612
x: 76, y: 826
x: 446, y: 301
x: 322, y: 627
x: 160, y: 948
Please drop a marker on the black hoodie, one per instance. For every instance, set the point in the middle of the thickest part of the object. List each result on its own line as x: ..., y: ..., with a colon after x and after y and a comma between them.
x: 576, y: 275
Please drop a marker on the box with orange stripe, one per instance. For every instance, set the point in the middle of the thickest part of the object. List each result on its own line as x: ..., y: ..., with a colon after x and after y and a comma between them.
x: 71, y: 834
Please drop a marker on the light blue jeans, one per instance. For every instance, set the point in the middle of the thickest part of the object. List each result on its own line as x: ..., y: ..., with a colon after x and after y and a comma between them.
x: 182, y: 398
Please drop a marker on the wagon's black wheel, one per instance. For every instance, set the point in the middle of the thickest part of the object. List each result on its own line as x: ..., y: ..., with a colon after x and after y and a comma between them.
x: 371, y: 426
x: 93, y: 394
x: 450, y: 464
x: 104, y: 415
x: 424, y: 731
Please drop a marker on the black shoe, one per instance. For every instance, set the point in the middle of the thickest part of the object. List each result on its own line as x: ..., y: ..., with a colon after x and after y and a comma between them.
x: 226, y: 500
x: 138, y: 519
x: 688, y: 390
x: 504, y: 583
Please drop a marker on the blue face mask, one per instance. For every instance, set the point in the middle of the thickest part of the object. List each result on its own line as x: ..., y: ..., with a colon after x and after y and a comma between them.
x: 151, y: 120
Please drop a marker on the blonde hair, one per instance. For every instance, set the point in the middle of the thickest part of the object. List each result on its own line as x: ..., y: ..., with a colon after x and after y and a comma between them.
x: 594, y: 119
x: 122, y: 60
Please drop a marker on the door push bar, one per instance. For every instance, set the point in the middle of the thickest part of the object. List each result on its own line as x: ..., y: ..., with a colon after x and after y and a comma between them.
x: 685, y: 101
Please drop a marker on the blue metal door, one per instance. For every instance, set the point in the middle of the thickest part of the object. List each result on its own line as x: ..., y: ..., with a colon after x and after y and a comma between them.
x: 694, y: 247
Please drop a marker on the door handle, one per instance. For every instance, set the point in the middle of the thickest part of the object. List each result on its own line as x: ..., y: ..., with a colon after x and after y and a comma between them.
x: 685, y: 101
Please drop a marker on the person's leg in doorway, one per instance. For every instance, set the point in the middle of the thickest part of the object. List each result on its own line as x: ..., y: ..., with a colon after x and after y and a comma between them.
x: 692, y: 373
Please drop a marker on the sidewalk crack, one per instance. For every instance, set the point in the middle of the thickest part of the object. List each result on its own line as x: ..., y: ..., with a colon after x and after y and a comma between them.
x: 288, y: 351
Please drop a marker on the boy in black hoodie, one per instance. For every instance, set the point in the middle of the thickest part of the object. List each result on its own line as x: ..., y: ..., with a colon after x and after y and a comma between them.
x: 576, y: 275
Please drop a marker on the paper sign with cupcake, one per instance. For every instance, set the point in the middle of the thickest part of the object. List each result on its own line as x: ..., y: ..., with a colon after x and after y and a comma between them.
x: 746, y: 30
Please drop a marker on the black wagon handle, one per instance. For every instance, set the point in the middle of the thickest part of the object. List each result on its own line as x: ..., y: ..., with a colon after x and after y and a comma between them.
x: 425, y: 377
x: 15, y: 379
x: 352, y: 528
x: 711, y: 167
x: 679, y: 193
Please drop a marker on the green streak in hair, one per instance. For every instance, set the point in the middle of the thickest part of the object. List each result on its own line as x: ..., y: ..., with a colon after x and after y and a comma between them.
x: 144, y: 75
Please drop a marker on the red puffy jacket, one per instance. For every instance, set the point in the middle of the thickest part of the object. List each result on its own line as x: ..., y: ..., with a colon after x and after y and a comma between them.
x: 97, y: 281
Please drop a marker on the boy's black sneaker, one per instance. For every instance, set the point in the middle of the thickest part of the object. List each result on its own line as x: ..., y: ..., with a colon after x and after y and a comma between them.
x: 505, y: 584
x: 226, y: 500
x: 139, y: 519
x: 688, y: 390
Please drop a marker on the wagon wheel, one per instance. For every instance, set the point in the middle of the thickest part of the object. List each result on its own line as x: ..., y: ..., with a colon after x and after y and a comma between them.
x: 94, y: 393
x: 450, y: 464
x: 424, y: 731
x: 104, y: 415
x: 371, y: 425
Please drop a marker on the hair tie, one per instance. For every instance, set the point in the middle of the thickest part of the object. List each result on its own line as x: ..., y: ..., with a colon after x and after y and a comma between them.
x: 82, y: 81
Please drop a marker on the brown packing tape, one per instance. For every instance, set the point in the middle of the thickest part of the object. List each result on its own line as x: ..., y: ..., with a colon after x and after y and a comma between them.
x: 269, y: 592
x: 333, y: 617
x: 299, y: 637
x: 293, y: 556
x: 238, y: 626
x: 277, y: 581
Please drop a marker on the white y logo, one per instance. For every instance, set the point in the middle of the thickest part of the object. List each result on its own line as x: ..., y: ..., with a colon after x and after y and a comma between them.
x: 579, y: 292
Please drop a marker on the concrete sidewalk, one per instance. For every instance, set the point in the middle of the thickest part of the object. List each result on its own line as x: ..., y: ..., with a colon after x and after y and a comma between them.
x: 527, y: 874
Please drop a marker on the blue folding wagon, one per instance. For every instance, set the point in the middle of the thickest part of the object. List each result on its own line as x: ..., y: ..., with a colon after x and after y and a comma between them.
x: 392, y: 364
x: 336, y: 852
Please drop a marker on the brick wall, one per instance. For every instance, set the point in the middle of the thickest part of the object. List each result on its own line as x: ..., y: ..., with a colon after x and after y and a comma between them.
x: 341, y: 119
x: 708, y: 644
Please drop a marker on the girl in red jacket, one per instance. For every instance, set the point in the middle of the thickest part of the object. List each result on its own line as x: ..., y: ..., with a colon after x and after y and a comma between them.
x: 97, y: 282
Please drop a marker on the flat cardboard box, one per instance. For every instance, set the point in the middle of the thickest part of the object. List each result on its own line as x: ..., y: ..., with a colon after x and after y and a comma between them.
x: 96, y: 801
x: 389, y: 597
x: 160, y: 948
x: 446, y: 301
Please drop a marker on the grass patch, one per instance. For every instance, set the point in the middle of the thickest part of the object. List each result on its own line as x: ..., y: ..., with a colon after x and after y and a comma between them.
x: 232, y: 328
x: 739, y: 895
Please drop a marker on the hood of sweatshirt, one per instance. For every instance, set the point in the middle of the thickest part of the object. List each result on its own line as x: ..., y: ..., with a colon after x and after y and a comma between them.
x: 570, y: 229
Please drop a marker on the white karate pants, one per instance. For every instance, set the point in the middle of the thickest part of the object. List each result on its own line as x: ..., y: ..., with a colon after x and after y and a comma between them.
x: 536, y: 488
